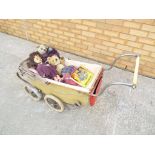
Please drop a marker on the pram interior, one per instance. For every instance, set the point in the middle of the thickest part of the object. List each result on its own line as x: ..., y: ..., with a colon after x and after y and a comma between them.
x: 94, y: 68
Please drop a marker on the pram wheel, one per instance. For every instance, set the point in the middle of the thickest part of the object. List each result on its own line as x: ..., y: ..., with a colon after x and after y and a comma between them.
x: 54, y: 103
x: 34, y: 93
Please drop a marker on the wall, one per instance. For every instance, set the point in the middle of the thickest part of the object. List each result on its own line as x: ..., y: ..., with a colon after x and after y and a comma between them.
x: 101, y: 40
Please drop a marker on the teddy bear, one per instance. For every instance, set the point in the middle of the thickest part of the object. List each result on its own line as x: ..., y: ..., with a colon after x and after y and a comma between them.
x: 41, y: 49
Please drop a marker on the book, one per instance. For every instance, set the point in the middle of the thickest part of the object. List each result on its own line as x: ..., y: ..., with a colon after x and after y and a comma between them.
x: 82, y: 76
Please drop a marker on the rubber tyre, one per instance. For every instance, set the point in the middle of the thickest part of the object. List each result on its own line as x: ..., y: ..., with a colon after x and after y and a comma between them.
x: 34, y: 93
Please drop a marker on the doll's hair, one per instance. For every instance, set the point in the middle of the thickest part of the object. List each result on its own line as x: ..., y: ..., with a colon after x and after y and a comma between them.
x: 53, y: 52
x: 31, y: 62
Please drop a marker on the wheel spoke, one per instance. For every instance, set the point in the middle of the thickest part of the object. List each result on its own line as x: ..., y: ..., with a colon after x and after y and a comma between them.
x: 53, y: 104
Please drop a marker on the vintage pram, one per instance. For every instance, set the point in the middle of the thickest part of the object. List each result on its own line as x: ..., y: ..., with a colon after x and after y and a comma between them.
x: 58, y: 94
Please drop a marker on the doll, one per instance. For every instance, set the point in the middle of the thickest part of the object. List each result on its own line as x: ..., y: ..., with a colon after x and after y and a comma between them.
x: 54, y: 59
x: 64, y: 71
x: 50, y: 51
x: 45, y: 70
x: 59, y: 63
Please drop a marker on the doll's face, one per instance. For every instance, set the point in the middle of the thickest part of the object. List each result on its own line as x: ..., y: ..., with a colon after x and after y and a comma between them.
x: 53, y: 60
x: 37, y: 59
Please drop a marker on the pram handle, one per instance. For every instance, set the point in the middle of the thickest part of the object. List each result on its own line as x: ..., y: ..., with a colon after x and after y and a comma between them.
x: 135, y: 76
